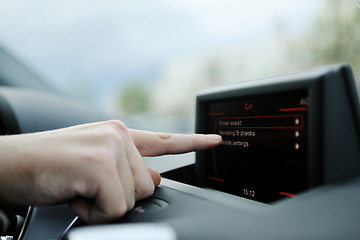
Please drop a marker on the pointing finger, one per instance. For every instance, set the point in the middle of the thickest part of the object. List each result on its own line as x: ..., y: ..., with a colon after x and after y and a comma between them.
x: 156, y: 144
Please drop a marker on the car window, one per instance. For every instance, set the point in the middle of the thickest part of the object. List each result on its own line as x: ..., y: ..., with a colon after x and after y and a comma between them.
x: 148, y: 59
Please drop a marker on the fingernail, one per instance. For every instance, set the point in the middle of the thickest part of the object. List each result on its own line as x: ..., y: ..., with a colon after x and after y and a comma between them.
x: 159, y: 180
x: 214, y: 138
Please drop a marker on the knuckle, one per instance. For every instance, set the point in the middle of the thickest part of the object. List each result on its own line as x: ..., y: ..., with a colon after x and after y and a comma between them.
x: 191, y: 142
x: 194, y: 140
x: 111, y: 136
x: 130, y: 204
x: 120, y: 210
x: 165, y: 136
x: 118, y: 125
x: 116, y: 132
x: 166, y: 143
x: 145, y: 191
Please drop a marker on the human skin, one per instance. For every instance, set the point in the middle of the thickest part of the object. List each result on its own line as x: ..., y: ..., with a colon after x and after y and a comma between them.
x: 97, y: 168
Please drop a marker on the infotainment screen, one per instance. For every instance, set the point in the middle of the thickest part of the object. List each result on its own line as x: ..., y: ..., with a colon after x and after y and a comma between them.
x: 264, y: 152
x: 281, y: 135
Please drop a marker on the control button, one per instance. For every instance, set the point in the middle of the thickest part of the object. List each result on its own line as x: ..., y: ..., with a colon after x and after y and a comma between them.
x: 297, y: 146
x: 139, y: 209
x: 297, y: 121
x: 297, y: 134
x: 145, y: 207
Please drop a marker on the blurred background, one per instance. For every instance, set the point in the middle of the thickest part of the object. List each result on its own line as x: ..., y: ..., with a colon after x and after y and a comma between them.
x: 145, y: 60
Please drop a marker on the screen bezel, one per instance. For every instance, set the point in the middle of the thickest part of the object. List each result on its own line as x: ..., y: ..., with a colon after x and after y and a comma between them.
x: 333, y: 118
x: 268, y: 87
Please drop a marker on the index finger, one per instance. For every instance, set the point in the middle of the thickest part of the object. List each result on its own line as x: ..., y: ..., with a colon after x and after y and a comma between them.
x: 155, y: 144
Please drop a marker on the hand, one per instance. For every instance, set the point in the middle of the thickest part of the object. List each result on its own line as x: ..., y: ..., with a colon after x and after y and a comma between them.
x: 97, y: 168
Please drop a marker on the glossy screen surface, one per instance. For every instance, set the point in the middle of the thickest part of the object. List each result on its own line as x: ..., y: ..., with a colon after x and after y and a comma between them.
x: 264, y: 153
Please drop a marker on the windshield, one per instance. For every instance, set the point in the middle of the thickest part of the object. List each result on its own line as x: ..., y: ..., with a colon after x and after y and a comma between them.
x: 146, y: 60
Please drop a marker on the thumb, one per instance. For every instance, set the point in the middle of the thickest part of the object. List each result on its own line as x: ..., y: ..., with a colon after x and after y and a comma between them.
x: 155, y: 176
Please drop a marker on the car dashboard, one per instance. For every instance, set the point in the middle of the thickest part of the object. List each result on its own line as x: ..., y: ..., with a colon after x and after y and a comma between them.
x: 288, y: 166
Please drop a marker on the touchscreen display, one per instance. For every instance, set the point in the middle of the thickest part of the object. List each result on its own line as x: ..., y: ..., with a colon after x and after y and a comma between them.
x: 264, y: 153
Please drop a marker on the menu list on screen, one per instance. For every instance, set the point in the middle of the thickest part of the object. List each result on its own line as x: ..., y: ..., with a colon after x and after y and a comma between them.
x: 264, y: 152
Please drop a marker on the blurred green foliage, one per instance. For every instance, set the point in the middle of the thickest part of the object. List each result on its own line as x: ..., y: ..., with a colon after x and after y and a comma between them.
x: 333, y: 38
x: 336, y: 36
x: 134, y: 98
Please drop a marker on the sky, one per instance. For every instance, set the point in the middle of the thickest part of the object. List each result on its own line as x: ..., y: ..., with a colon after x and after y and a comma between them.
x: 108, y: 43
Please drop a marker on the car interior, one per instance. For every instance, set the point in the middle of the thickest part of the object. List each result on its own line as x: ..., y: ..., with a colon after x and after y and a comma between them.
x: 288, y: 165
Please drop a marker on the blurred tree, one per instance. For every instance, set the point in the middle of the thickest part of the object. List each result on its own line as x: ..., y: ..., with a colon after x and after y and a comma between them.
x: 133, y: 99
x: 336, y: 35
